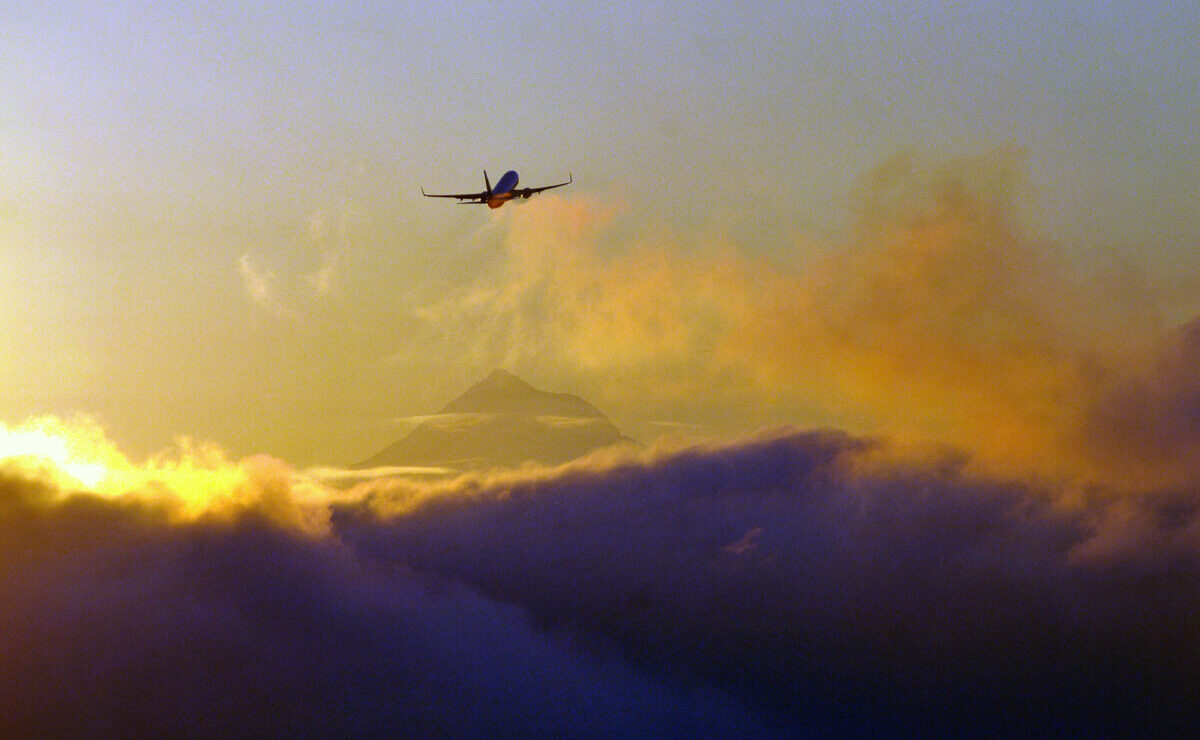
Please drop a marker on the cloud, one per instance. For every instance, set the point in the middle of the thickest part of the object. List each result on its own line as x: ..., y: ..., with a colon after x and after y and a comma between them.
x: 257, y: 283
x: 785, y: 584
x: 119, y: 617
x: 323, y: 279
x: 261, y: 287
x: 288, y: 298
x: 1039, y: 577
x: 854, y: 587
x: 335, y: 239
x: 185, y: 482
x: 1145, y: 416
x: 66, y: 452
x: 935, y: 316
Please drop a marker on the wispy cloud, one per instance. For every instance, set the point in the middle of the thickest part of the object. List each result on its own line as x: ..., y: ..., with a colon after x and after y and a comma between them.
x: 261, y: 286
x: 335, y: 239
x: 292, y: 295
x: 323, y: 279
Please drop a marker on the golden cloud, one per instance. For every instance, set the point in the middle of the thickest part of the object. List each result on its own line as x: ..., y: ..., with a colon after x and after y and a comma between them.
x: 934, y: 317
x: 188, y: 481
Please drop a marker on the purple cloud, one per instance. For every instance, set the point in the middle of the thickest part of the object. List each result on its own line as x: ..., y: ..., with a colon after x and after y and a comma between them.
x: 860, y: 594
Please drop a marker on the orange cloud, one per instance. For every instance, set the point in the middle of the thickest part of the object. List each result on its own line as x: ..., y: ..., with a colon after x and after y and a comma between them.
x: 934, y: 317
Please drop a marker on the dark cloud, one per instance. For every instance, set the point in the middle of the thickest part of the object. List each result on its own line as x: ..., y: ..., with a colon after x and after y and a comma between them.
x: 116, y: 623
x: 854, y: 591
x: 790, y: 584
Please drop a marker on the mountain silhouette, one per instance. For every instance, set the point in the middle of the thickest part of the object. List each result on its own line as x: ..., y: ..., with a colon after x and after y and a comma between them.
x: 502, y: 421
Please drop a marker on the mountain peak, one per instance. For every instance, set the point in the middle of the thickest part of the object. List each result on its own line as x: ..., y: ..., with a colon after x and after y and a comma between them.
x: 501, y: 392
x: 503, y: 421
x: 501, y: 379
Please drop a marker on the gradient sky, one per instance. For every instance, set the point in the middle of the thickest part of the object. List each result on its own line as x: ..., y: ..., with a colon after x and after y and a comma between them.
x: 210, y: 222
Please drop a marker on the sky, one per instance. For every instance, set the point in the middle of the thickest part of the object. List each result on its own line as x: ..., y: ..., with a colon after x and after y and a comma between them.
x: 217, y: 230
x: 902, y: 300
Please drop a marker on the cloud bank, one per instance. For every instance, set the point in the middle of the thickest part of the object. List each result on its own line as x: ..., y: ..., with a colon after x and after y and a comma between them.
x: 119, y: 619
x: 793, y: 583
x: 854, y: 588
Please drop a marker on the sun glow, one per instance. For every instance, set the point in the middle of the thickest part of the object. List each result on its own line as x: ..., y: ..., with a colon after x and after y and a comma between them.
x: 73, y: 454
x: 189, y: 479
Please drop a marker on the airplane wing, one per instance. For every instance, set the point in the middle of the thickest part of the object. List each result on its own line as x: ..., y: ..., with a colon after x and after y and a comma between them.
x: 465, y: 198
x: 526, y: 192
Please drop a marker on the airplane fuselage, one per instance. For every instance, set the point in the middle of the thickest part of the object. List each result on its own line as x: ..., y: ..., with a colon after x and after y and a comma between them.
x: 503, y: 192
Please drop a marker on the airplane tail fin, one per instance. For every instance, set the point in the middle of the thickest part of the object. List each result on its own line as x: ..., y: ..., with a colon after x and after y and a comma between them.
x: 487, y: 182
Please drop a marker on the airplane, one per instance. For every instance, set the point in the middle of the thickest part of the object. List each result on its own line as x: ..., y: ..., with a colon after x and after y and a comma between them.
x: 506, y: 189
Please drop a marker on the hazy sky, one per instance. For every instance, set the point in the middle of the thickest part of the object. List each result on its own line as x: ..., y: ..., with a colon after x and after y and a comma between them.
x: 210, y: 221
